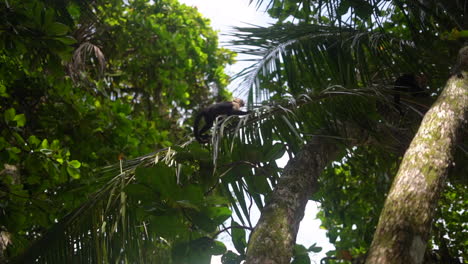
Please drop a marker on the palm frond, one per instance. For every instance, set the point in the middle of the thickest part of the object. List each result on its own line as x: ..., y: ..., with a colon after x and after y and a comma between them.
x: 102, y: 229
x: 312, y: 57
x: 84, y: 55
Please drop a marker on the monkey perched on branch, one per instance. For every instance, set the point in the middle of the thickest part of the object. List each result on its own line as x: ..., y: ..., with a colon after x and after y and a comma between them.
x: 211, y: 112
x: 411, y: 84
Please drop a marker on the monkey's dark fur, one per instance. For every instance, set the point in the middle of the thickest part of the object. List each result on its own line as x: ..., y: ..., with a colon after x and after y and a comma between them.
x: 411, y: 84
x: 211, y: 112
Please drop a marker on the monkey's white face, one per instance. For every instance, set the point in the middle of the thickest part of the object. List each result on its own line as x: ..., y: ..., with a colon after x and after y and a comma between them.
x: 238, y: 101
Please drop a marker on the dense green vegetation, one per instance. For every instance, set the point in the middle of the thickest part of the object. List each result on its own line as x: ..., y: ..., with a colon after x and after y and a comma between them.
x: 83, y: 84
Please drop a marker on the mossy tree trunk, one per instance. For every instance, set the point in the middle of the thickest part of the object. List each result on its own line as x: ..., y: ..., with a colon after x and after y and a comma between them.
x: 404, y: 226
x: 274, y: 236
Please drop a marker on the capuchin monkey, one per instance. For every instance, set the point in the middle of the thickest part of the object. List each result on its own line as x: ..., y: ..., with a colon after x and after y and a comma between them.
x: 211, y: 112
x: 409, y: 84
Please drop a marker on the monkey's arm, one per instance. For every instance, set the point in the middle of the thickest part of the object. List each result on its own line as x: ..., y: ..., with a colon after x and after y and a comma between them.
x: 239, y: 112
x: 208, y: 123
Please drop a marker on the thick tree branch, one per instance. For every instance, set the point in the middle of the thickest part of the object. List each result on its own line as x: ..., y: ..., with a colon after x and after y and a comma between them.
x: 274, y: 236
x: 405, y: 222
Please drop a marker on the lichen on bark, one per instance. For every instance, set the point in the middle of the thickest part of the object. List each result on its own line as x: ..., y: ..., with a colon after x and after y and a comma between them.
x: 404, y: 225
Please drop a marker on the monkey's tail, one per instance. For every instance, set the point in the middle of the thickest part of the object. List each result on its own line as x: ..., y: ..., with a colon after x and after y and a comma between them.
x: 196, y: 132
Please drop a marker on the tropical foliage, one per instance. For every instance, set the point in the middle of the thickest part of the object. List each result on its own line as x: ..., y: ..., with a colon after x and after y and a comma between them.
x: 84, y: 84
x: 354, y: 48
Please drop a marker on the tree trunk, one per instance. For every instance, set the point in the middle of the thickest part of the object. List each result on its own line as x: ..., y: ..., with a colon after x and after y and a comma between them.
x: 404, y: 225
x: 274, y: 237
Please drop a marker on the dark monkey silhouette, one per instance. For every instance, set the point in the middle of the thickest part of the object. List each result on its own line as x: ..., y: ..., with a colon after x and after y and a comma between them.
x: 409, y: 83
x: 211, y: 112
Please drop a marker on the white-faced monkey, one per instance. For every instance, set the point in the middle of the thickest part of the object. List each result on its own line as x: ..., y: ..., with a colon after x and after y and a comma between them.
x: 211, y: 112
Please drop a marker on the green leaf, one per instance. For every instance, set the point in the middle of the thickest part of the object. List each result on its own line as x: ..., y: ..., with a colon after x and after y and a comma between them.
x: 3, y: 143
x: 299, y: 250
x: 343, y: 8
x: 9, y: 115
x: 55, y: 144
x: 34, y: 141
x: 3, y: 90
x: 168, y: 225
x: 45, y: 144
x: 259, y: 183
x: 14, y: 150
x: 301, y: 255
x: 75, y: 164
x: 218, y: 214
x: 187, y: 205
x: 363, y: 8
x: 314, y: 249
x: 67, y: 40
x: 57, y: 29
x: 140, y: 192
x: 217, y: 248
x: 74, y: 10
x: 20, y: 139
x: 275, y: 152
x: 231, y: 258
x: 238, y: 237
x: 204, y: 222
x: 20, y: 120
x: 216, y: 200
x: 73, y: 172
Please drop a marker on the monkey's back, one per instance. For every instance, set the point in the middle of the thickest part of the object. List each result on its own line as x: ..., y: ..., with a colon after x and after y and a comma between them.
x: 223, y: 108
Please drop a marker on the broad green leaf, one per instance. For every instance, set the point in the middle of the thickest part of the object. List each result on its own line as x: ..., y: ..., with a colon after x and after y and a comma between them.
x: 185, y: 204
x: 168, y: 225
x: 20, y: 140
x: 20, y: 120
x: 73, y: 172
x: 75, y: 164
x: 9, y: 114
x: 57, y: 29
x: 34, y: 141
x: 67, y: 40
x: 140, y: 192
x: 3, y: 90
x: 74, y: 10
x: 363, y: 8
x: 275, y: 152
x: 45, y: 144
x: 14, y: 150
x: 238, y: 237
x: 216, y: 200
x: 217, y: 248
x: 314, y: 249
x: 343, y: 7
x: 55, y: 144
x: 218, y: 214
x: 299, y: 250
x: 3, y: 143
x: 231, y: 258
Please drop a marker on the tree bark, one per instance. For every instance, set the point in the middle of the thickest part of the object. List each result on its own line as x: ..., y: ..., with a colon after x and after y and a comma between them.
x: 404, y: 225
x: 274, y: 236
